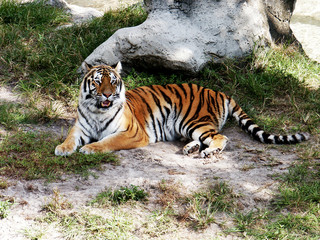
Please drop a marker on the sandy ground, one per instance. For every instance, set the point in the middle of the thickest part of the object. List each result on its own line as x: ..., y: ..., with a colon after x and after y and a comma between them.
x: 246, y: 165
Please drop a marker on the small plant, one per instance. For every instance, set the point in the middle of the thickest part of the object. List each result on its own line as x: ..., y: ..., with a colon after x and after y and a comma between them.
x: 4, y: 208
x: 3, y: 183
x: 169, y: 193
x: 245, y: 222
x: 204, y: 205
x: 30, y: 155
x: 160, y: 223
x: 120, y: 196
x: 57, y: 203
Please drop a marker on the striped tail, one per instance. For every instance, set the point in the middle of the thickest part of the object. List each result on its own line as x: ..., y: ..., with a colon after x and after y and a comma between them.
x: 257, y: 133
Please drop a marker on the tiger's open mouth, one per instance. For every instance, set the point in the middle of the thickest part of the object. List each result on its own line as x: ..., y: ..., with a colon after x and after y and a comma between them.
x: 106, y: 104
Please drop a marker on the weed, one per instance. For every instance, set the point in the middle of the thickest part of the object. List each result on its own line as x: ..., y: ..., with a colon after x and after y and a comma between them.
x: 120, y: 196
x: 30, y: 156
x: 113, y: 225
x: 57, y: 203
x: 160, y: 223
x: 169, y: 194
x: 248, y: 221
x: 204, y: 205
x: 34, y: 233
x: 4, y: 208
x: 3, y: 183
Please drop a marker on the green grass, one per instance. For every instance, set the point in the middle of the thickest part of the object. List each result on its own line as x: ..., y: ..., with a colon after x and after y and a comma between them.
x: 30, y: 155
x: 120, y: 196
x: 301, y: 187
x: 294, y: 213
x: 85, y: 225
x: 37, y: 56
x: 13, y: 114
x: 112, y: 224
x: 203, y: 206
x: 4, y: 208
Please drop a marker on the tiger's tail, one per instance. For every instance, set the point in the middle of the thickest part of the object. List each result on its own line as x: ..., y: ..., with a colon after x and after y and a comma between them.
x: 257, y: 133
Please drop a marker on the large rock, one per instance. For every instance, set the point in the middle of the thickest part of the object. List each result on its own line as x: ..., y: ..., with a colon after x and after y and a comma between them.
x: 305, y: 24
x: 187, y: 34
x: 78, y: 14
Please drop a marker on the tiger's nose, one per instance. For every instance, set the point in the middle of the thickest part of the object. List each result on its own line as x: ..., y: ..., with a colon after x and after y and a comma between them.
x: 107, y: 95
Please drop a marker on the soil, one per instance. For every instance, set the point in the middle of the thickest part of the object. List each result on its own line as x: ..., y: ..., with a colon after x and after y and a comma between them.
x: 247, y: 166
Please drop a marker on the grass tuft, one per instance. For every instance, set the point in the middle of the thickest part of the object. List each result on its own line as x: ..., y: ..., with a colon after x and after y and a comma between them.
x: 120, y: 196
x: 4, y: 208
x: 203, y: 206
x: 30, y: 155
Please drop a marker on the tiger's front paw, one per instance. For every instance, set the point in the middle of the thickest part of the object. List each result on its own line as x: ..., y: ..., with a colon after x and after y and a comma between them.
x: 92, y: 148
x: 64, y: 150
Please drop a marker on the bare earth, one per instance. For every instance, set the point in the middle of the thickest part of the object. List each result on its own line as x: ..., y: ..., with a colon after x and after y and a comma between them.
x: 246, y: 165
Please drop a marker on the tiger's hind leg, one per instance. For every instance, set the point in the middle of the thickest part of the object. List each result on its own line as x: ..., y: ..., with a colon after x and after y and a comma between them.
x: 215, y: 142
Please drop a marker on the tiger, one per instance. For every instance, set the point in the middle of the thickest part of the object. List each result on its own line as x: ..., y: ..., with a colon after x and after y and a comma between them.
x: 109, y: 118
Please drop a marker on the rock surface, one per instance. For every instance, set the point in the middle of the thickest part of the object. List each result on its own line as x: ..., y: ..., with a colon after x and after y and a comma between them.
x: 79, y: 14
x: 186, y: 35
x: 305, y: 24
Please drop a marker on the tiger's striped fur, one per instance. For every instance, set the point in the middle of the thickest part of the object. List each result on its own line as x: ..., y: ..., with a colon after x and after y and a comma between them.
x: 110, y: 118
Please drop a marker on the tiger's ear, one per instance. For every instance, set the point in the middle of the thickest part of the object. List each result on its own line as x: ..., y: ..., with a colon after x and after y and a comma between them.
x: 87, y: 66
x: 118, y: 68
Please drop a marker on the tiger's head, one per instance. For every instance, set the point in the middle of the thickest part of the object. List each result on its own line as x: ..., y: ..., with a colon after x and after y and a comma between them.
x: 102, y: 88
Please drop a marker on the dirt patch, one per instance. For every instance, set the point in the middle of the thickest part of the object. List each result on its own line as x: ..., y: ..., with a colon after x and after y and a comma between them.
x: 247, y: 166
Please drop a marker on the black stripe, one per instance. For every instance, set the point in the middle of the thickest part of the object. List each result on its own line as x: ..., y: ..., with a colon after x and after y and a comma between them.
x: 222, y: 104
x: 266, y: 139
x: 177, y: 94
x: 277, y: 140
x: 214, y: 118
x: 255, y: 130
x: 188, y: 110
x: 183, y: 89
x: 199, y: 107
x: 82, y: 142
x: 162, y: 136
x: 235, y: 109
x: 195, y: 128
x: 108, y: 122
x: 216, y: 104
x: 247, y: 125
x: 87, y: 121
x: 194, y: 117
x: 85, y: 82
x: 151, y: 115
x: 202, y: 137
x: 166, y: 97
x: 295, y: 140
x: 158, y: 103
